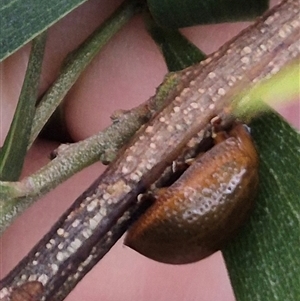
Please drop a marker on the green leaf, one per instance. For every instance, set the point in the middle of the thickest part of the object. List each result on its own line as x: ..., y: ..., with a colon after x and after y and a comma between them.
x: 177, y: 50
x: 22, y: 20
x: 15, y: 145
x: 280, y: 88
x: 179, y: 13
x: 263, y: 261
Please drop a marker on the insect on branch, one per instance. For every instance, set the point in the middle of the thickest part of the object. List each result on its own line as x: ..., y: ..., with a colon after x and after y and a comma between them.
x: 100, y: 215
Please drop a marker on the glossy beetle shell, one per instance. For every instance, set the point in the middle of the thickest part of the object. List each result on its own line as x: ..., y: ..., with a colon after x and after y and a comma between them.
x: 202, y: 210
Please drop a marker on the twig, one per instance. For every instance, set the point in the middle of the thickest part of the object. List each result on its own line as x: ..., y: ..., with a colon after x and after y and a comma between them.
x: 15, y: 197
x: 207, y: 89
x: 78, y: 60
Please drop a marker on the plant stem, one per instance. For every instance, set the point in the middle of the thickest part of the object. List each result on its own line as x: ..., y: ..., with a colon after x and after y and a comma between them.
x: 78, y: 60
x: 15, y: 197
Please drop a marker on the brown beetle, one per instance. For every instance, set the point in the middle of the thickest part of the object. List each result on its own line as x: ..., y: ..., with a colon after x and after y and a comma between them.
x: 202, y: 210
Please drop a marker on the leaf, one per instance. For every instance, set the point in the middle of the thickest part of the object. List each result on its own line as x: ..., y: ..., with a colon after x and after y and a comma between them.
x: 177, y: 50
x: 178, y: 13
x: 15, y: 145
x: 263, y: 261
x: 22, y: 20
x: 280, y: 88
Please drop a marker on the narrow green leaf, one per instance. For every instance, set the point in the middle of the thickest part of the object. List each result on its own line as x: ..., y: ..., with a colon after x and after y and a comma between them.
x: 177, y: 50
x: 179, y: 13
x: 263, y: 261
x: 280, y: 88
x: 22, y: 20
x: 15, y: 145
